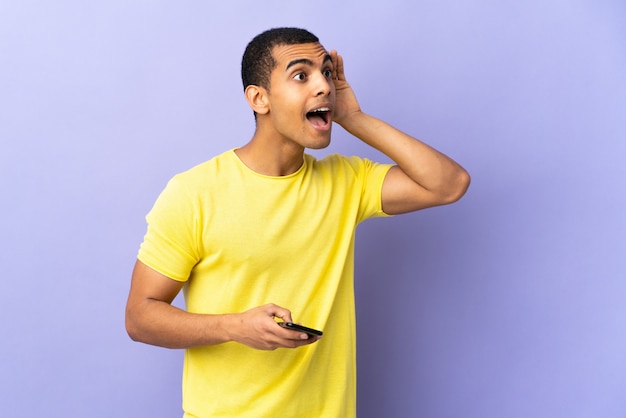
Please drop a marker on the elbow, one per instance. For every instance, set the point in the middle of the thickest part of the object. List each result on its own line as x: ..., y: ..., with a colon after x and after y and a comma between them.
x: 132, y: 333
x: 457, y: 186
x: 132, y: 328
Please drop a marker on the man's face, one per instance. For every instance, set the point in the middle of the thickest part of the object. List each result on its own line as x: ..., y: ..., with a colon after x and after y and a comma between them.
x: 302, y: 94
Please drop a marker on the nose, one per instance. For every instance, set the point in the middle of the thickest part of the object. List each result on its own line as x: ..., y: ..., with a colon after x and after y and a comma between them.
x: 323, y: 85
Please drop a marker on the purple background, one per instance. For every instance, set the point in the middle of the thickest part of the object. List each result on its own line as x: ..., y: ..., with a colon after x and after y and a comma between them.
x: 510, y: 303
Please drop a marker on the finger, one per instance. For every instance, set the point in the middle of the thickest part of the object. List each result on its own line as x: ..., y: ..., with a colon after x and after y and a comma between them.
x: 301, y: 342
x: 333, y: 59
x: 290, y: 334
x: 297, y: 336
x: 308, y: 341
x: 339, y: 65
x: 279, y: 312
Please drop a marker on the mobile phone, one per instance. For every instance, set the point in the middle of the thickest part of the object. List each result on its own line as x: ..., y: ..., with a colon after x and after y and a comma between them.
x: 310, y: 331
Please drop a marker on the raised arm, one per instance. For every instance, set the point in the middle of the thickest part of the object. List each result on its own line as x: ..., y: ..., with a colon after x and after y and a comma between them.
x: 152, y: 319
x: 423, y: 177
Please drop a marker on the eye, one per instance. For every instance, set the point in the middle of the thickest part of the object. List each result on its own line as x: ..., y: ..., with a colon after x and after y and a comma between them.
x: 328, y: 73
x: 300, y: 77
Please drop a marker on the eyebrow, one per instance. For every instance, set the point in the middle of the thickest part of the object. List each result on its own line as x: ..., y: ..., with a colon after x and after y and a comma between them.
x: 306, y: 61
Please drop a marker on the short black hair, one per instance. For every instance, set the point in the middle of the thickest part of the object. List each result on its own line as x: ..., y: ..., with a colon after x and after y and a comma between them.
x: 258, y: 62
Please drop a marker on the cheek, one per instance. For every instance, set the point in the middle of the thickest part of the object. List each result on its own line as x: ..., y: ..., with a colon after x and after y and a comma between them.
x: 288, y: 110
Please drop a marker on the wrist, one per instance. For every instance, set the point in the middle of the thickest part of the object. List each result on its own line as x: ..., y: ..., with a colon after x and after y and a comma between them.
x: 351, y: 120
x: 362, y: 126
x: 226, y: 327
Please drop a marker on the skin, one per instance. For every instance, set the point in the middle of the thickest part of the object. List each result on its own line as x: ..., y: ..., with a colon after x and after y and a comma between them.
x: 306, y: 77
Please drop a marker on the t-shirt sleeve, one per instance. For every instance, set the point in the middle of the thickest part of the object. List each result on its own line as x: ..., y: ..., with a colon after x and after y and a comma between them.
x: 371, y: 175
x: 170, y: 245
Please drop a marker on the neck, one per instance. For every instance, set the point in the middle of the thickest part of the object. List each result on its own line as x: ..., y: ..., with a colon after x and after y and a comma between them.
x: 270, y: 157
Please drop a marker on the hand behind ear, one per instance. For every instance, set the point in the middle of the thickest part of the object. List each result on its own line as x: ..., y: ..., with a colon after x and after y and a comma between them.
x: 346, y: 102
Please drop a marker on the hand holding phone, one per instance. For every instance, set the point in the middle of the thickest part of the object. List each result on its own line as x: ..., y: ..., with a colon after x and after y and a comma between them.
x: 296, y: 327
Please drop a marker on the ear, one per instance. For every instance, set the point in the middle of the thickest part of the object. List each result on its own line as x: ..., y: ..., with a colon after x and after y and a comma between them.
x: 257, y: 98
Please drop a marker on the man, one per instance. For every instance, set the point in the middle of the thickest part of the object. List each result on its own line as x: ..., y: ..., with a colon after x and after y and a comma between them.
x: 265, y: 233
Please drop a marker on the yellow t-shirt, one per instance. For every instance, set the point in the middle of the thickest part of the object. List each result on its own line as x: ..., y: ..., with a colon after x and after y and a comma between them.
x: 240, y: 240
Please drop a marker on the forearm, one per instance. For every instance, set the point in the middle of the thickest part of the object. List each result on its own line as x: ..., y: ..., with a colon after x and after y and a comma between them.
x: 429, y: 168
x: 159, y: 323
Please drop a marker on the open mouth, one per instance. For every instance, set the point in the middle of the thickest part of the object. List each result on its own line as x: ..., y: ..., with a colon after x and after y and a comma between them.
x: 319, y: 118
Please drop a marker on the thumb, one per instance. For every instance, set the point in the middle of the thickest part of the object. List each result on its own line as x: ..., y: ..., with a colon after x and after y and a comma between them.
x: 279, y: 312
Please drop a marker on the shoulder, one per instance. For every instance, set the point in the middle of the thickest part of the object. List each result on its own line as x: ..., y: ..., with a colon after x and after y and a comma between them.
x: 335, y: 161
x: 205, y: 173
x: 358, y: 166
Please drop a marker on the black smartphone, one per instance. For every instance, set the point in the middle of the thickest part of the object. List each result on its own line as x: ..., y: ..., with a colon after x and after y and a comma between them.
x: 310, y: 331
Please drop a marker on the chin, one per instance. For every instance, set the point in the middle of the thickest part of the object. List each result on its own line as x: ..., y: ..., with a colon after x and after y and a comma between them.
x: 319, y: 141
x: 319, y: 145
